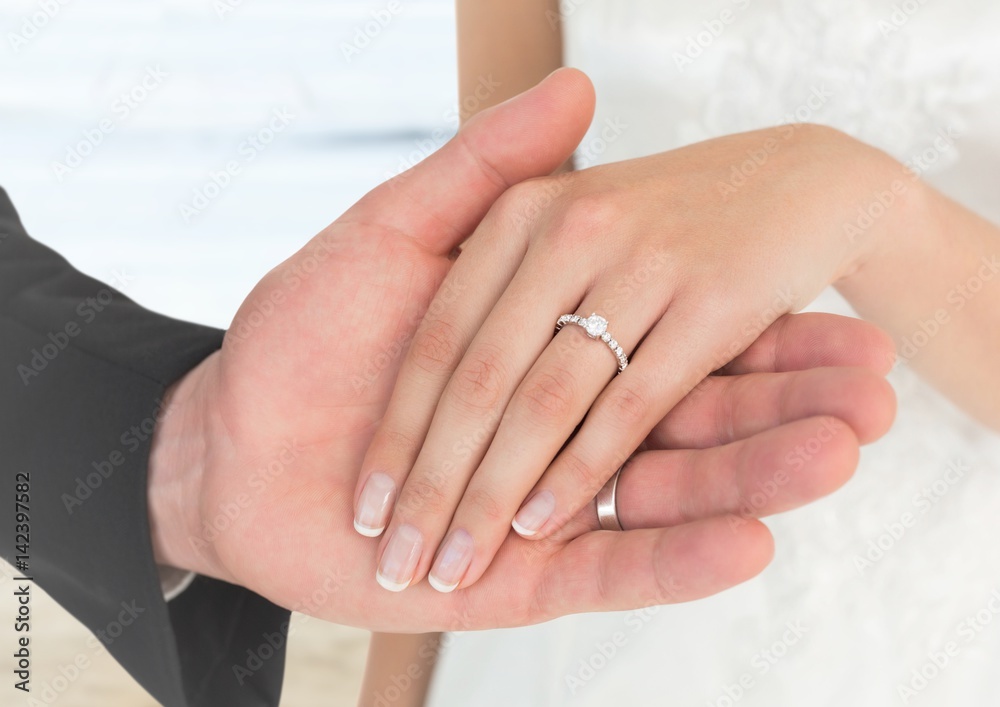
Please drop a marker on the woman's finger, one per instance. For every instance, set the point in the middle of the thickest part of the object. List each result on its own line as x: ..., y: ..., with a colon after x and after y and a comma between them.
x: 468, y: 411
x: 550, y: 402
x: 437, y: 204
x: 469, y: 291
x: 657, y: 378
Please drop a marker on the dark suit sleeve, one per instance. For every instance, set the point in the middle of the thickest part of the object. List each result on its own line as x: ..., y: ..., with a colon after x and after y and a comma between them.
x: 83, y: 370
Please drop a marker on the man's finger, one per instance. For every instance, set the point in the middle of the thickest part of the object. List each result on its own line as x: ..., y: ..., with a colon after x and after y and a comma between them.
x: 725, y: 409
x: 795, y: 342
x: 609, y: 571
x: 440, y: 201
x: 771, y: 472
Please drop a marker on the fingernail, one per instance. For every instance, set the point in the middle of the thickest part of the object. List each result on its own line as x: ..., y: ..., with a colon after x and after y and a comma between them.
x: 399, y: 561
x: 534, y: 513
x: 374, y: 504
x: 452, y: 561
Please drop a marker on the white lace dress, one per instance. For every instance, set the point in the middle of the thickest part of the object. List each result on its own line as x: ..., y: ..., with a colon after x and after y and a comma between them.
x: 887, y: 592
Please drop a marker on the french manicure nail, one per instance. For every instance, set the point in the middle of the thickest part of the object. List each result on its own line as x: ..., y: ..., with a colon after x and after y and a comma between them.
x: 374, y: 504
x: 534, y: 513
x: 399, y: 561
x: 452, y: 561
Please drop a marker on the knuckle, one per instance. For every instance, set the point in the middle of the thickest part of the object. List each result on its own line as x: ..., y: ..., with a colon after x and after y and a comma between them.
x: 488, y: 506
x: 584, y: 213
x: 627, y: 406
x: 466, y: 616
x: 437, y: 348
x: 480, y: 380
x: 666, y: 586
x: 422, y: 495
x: 602, y: 578
x: 715, y: 304
x: 393, y: 442
x: 542, y: 602
x: 548, y: 397
x: 523, y: 202
x: 725, y: 407
x: 584, y: 476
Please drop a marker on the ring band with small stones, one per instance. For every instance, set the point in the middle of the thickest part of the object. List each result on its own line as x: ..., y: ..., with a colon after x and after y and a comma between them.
x: 596, y: 328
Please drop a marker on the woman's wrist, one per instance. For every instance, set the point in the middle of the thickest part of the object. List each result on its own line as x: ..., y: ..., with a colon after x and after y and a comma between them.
x: 889, y: 225
x: 399, y: 664
x: 925, y: 280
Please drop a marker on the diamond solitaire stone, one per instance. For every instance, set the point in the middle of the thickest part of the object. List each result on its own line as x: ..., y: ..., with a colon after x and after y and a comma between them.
x: 596, y: 328
x: 595, y: 325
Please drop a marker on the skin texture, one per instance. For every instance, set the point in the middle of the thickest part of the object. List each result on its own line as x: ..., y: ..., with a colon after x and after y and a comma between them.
x: 487, y: 398
x: 940, y: 263
x: 278, y: 421
x: 788, y: 374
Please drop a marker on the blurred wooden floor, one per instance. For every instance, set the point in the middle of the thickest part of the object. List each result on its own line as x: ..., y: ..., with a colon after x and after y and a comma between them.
x: 324, y: 667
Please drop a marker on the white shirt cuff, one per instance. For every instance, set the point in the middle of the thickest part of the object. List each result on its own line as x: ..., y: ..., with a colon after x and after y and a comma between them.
x: 174, y: 581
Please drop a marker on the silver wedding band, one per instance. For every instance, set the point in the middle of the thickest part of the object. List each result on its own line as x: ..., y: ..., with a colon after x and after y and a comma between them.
x: 607, y: 503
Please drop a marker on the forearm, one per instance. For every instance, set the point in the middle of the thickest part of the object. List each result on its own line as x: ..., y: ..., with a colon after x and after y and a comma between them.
x: 504, y: 47
x: 399, y: 662
x: 931, y: 278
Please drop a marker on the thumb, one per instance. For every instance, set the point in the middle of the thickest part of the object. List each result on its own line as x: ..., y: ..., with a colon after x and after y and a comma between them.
x: 441, y: 200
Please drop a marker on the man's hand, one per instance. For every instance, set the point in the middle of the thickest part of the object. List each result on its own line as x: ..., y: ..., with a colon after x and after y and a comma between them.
x: 254, y: 466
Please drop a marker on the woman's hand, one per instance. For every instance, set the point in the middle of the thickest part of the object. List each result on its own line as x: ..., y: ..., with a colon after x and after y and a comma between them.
x: 255, y: 460
x: 687, y: 264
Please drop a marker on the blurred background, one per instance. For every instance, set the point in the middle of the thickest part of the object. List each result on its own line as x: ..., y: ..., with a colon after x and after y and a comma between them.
x: 120, y: 125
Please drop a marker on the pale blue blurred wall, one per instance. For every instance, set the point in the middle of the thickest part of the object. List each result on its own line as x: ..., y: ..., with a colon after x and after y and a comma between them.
x: 214, y: 77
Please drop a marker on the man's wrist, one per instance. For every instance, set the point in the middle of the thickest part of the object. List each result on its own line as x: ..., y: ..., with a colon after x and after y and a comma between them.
x: 177, y: 463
